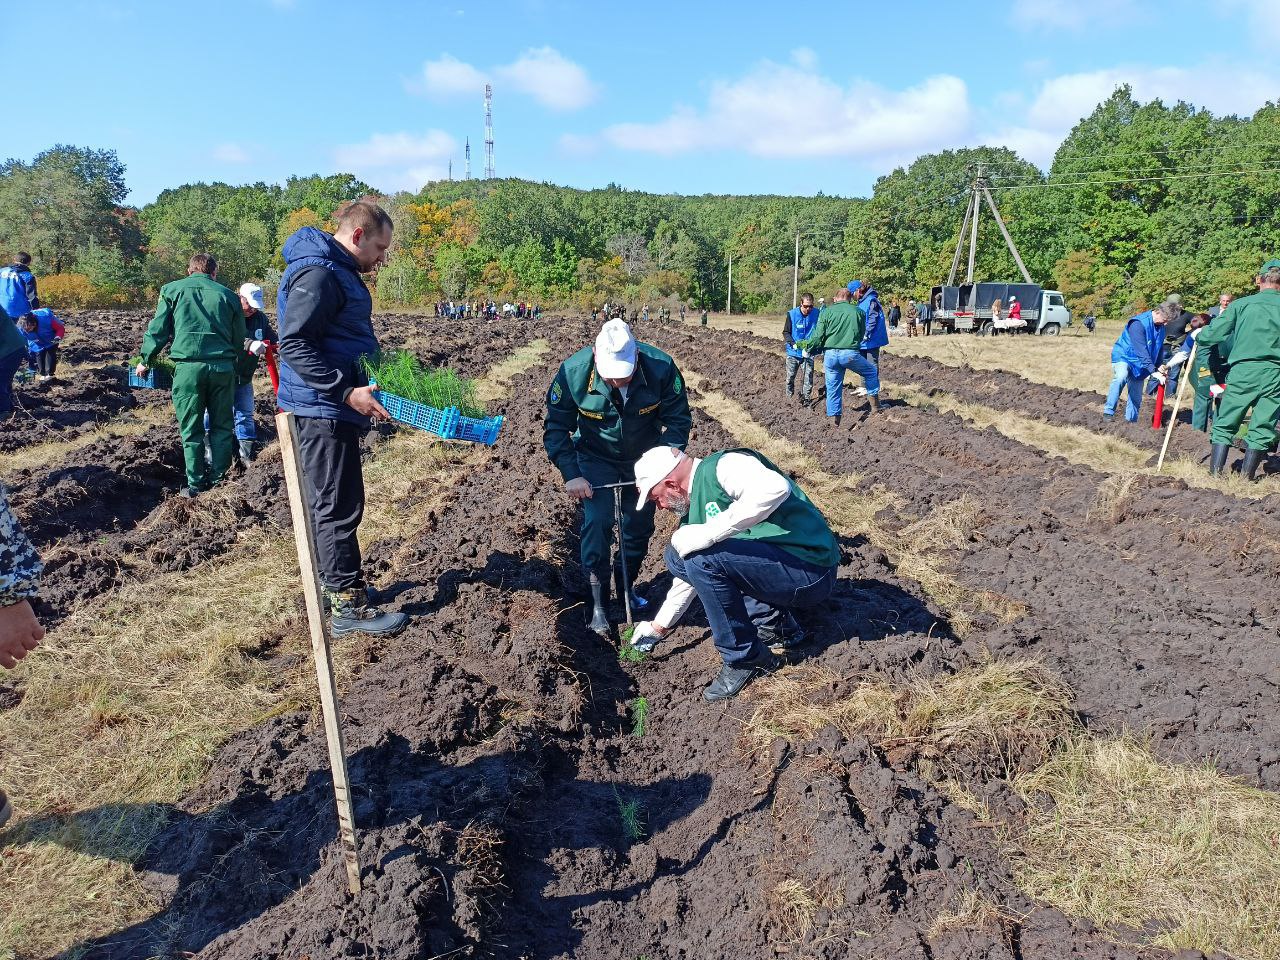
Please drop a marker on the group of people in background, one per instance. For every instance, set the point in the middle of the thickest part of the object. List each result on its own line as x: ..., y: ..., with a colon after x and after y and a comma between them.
x: 487, y: 310
x: 32, y: 339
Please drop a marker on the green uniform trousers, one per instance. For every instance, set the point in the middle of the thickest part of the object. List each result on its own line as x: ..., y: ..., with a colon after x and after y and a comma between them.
x: 1256, y: 384
x: 1204, y: 406
x: 598, y: 517
x: 197, y: 387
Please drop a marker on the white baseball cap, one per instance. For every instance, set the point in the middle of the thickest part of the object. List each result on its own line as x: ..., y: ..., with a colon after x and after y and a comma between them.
x: 615, y: 351
x: 253, y: 293
x: 654, y: 466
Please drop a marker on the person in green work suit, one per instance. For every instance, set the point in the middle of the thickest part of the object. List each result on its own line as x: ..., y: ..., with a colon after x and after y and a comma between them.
x: 1251, y: 328
x: 1207, y: 379
x: 202, y: 323
x: 607, y: 405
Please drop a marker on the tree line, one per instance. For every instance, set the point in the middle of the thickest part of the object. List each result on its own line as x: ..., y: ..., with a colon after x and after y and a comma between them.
x: 1141, y: 199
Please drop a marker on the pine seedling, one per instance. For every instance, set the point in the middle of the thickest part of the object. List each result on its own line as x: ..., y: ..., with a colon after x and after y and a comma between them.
x: 639, y: 716
x: 163, y: 364
x: 632, y: 815
x: 401, y: 373
x: 626, y: 652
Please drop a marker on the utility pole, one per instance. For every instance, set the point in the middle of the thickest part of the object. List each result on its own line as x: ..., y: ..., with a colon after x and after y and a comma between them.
x: 979, y: 191
x: 795, y: 276
x: 728, y: 301
x: 468, y: 173
x: 488, y: 132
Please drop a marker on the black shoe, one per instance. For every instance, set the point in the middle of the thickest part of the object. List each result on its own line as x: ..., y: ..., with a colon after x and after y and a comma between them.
x: 351, y: 612
x: 733, y: 679
x: 874, y: 401
x: 599, y: 583
x: 188, y: 493
x: 806, y: 401
x: 1218, y: 459
x: 1252, y: 460
x: 835, y: 420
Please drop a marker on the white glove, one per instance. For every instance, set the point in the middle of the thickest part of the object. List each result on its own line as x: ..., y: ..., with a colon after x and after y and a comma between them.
x: 804, y: 354
x: 645, y: 636
x: 1217, y: 390
x: 688, y: 539
x: 1159, y: 377
x: 258, y: 348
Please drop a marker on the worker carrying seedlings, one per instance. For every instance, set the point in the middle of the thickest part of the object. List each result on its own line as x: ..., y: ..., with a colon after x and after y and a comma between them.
x: 751, y: 547
x: 258, y: 336
x: 841, y: 328
x: 326, y: 325
x: 608, y: 404
x: 1249, y: 329
x: 44, y: 333
x: 200, y: 321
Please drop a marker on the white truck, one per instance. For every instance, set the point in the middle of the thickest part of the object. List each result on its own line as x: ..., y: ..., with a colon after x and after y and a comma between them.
x: 967, y: 307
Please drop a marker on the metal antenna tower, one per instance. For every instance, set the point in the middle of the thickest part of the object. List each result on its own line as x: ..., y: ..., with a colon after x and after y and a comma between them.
x: 488, y: 132
x: 451, y: 169
x: 468, y: 173
x: 979, y: 191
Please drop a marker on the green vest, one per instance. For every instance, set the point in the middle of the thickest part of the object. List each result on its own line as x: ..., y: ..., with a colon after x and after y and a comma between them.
x: 795, y: 525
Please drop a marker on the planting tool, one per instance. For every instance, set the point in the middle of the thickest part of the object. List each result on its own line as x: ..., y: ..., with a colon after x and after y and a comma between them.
x: 1177, y: 402
x: 305, y: 540
x: 622, y: 556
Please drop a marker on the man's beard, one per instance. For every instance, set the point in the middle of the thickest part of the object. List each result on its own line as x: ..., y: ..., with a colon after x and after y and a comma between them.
x: 677, y: 504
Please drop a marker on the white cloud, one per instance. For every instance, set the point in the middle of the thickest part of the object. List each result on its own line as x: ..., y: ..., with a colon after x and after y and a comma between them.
x: 399, y: 161
x: 1264, y: 25
x: 541, y: 73
x: 1062, y: 102
x: 231, y: 153
x: 779, y: 110
x: 1070, y: 14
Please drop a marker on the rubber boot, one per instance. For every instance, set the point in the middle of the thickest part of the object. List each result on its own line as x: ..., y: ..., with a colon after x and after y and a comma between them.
x: 351, y: 612
x: 599, y: 583
x: 1218, y: 458
x: 835, y: 421
x: 1252, y: 460
x: 874, y: 402
x: 247, y: 453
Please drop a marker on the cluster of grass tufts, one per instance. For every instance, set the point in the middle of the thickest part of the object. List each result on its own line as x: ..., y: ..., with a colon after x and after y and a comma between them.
x: 401, y: 373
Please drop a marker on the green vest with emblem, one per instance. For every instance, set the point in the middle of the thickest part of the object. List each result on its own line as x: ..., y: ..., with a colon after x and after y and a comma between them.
x: 795, y: 525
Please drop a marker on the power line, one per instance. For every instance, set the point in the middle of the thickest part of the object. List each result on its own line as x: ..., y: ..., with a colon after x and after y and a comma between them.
x: 1098, y: 183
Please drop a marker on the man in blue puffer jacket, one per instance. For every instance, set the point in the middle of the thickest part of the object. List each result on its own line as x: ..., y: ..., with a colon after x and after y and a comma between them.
x: 326, y: 326
x: 865, y: 296
x: 1136, y: 356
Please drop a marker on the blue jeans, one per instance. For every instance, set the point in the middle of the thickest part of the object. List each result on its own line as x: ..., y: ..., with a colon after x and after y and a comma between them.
x: 242, y: 405
x: 836, y: 363
x: 9, y: 365
x: 1121, y: 377
x: 745, y: 585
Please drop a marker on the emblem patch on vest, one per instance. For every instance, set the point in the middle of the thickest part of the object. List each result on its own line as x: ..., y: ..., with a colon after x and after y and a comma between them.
x: 555, y: 391
x: 711, y: 510
x: 678, y: 385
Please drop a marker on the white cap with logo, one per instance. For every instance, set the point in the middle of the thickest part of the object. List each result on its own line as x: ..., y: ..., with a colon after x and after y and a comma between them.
x: 615, y: 351
x: 654, y: 466
x: 253, y: 293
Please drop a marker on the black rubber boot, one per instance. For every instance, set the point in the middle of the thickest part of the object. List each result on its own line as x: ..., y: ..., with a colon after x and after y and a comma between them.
x: 599, y: 583
x: 835, y: 421
x: 351, y: 612
x: 1252, y: 460
x: 247, y: 453
x: 1218, y: 459
x: 874, y: 401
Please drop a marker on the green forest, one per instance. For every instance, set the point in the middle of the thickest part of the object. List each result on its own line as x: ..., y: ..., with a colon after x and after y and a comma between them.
x: 1141, y: 199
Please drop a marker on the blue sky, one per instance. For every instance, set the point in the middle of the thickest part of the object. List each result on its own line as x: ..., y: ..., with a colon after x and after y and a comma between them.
x: 682, y: 97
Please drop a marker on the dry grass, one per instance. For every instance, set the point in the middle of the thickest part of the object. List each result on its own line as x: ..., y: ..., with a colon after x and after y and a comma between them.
x: 973, y: 911
x: 1126, y: 840
x: 129, y: 698
x: 794, y: 904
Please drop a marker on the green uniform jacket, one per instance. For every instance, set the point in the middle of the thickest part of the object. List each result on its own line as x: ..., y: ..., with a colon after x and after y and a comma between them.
x: 11, y: 338
x: 1251, y: 325
x: 583, y: 418
x: 841, y: 326
x: 795, y: 525
x: 199, y: 319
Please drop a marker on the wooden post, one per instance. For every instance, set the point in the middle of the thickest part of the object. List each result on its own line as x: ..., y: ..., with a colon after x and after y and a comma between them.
x: 1177, y: 402
x: 305, y: 539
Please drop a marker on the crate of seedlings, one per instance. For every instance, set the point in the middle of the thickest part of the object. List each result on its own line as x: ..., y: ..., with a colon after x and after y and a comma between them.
x: 436, y: 400
x: 159, y: 374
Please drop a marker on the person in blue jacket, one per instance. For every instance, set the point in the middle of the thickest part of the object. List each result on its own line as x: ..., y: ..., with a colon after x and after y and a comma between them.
x: 18, y: 295
x: 325, y: 314
x: 799, y: 325
x: 43, y: 332
x: 1136, y: 356
x: 877, y: 335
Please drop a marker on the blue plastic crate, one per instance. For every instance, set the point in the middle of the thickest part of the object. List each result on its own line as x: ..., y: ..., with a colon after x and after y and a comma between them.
x: 156, y: 379
x: 448, y: 424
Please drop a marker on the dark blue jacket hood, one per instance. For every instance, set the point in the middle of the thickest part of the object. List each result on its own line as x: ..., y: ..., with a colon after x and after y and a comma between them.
x: 313, y: 242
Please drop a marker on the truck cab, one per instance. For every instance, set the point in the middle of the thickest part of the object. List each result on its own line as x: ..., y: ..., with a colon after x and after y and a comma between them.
x: 1054, y: 314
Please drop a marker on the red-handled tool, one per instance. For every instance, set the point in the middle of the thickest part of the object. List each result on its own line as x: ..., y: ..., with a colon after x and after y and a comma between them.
x: 272, y: 368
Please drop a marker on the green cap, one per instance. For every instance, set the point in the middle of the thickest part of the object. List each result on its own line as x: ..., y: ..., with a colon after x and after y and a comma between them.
x: 1273, y: 262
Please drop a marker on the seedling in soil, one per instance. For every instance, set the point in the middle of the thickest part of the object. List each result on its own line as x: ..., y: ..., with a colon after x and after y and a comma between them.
x: 626, y: 652
x: 632, y: 815
x: 401, y: 373
x: 639, y: 716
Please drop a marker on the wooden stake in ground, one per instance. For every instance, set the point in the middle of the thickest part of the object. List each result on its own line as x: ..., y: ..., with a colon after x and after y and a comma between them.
x: 1177, y: 402
x: 306, y: 542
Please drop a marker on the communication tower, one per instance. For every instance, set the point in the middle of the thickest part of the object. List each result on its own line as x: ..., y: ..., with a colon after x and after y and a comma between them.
x: 488, y: 132
x: 468, y: 173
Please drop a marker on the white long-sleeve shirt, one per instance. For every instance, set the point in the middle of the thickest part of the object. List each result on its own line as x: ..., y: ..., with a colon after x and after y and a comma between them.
x: 756, y: 491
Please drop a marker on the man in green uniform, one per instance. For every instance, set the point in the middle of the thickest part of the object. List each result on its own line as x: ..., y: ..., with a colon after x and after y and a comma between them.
x: 1251, y: 327
x: 201, y: 322
x: 751, y: 546
x: 607, y: 405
